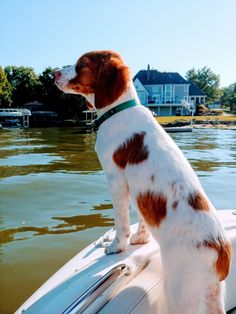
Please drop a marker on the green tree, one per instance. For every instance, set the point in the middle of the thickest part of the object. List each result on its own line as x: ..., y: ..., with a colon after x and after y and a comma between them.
x: 5, y: 90
x: 72, y: 106
x: 25, y: 84
x: 229, y: 96
x: 207, y: 81
x: 48, y: 93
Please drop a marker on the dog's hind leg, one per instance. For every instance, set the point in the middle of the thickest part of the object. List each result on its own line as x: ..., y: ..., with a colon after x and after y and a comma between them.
x: 142, y: 235
x: 185, y: 281
x: 182, y: 299
x: 215, y: 298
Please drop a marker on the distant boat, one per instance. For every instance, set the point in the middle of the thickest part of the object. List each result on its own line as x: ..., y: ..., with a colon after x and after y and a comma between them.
x: 129, y: 282
x: 174, y: 129
x: 14, y: 118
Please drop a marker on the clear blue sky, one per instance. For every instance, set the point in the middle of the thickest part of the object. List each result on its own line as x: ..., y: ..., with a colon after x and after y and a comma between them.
x: 173, y: 35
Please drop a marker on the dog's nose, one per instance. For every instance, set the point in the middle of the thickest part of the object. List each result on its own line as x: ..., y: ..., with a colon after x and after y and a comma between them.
x: 57, y: 75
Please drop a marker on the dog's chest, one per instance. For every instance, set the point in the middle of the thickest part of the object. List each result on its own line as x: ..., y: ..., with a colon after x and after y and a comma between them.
x: 118, y: 129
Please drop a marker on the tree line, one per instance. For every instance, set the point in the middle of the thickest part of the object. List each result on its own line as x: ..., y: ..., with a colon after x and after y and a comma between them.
x: 209, y: 83
x: 20, y: 85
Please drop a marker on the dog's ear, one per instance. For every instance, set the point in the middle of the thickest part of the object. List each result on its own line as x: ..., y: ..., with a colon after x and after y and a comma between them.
x: 113, y: 80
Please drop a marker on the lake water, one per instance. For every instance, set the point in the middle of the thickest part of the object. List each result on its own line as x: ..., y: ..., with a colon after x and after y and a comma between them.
x: 54, y: 198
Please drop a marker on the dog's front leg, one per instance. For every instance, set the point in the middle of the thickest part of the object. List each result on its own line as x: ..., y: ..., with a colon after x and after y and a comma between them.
x: 120, y: 198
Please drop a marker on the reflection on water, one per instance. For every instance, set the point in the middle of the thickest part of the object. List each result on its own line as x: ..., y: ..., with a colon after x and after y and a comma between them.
x: 209, y: 150
x: 55, y: 149
x: 29, y: 160
x: 54, y: 198
x: 103, y: 206
x: 71, y: 224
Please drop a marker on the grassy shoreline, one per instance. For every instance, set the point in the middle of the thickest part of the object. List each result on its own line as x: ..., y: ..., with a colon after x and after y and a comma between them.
x: 198, y: 119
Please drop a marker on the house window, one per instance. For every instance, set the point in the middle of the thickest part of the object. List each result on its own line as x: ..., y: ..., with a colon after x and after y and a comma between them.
x: 168, y: 88
x: 168, y: 93
x: 154, y: 89
x: 156, y: 98
x: 185, y: 88
x: 185, y: 98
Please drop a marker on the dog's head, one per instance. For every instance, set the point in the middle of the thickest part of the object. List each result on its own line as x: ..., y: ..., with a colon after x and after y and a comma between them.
x: 101, y: 74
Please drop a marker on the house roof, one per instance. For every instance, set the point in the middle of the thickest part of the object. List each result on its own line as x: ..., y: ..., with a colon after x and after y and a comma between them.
x: 139, y: 86
x: 152, y: 77
x: 194, y: 90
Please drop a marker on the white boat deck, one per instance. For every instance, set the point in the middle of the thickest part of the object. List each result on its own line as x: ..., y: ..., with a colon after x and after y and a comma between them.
x: 138, y: 286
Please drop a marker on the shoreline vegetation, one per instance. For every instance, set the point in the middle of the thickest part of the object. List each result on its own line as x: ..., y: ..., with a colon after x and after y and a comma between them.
x: 227, y: 122
x: 217, y: 122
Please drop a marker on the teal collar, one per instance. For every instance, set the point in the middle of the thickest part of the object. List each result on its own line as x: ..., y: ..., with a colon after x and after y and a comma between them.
x: 125, y: 105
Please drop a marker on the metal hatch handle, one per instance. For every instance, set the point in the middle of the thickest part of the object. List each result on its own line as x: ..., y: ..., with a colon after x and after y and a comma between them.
x: 83, y: 301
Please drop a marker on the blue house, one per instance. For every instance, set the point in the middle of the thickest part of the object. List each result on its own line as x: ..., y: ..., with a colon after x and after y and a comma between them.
x: 166, y: 93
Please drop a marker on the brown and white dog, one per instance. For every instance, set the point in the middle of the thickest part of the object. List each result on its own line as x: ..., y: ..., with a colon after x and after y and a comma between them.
x: 142, y: 162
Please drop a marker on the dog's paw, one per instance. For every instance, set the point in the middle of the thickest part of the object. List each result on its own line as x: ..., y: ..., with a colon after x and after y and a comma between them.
x: 116, y: 246
x: 105, y: 240
x: 140, y: 237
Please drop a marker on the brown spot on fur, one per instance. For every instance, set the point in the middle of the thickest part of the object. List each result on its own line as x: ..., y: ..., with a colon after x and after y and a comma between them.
x: 175, y: 204
x: 152, y: 206
x: 224, y: 260
x: 133, y: 151
x: 224, y: 253
x: 198, y: 202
